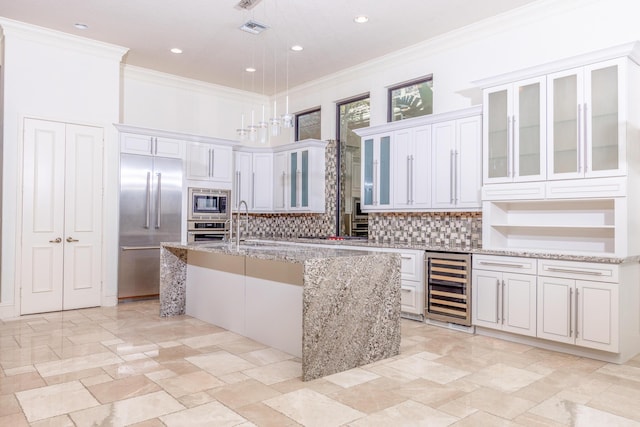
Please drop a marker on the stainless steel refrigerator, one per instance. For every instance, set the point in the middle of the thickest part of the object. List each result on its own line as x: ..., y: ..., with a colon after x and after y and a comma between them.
x: 150, y: 213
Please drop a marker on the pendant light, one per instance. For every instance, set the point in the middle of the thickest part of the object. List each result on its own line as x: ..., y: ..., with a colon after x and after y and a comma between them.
x: 287, y: 119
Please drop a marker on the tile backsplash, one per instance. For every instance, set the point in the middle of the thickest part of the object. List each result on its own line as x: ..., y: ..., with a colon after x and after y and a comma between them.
x: 451, y: 229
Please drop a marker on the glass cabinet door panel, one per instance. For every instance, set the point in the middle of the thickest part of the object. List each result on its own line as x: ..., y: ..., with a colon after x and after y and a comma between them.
x: 305, y: 178
x: 294, y: 180
x: 529, y: 128
x: 367, y: 185
x: 385, y: 170
x: 604, y: 118
x: 565, y: 124
x: 498, y: 166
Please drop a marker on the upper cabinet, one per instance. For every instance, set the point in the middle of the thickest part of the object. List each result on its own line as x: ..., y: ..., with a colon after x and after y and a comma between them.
x: 514, y: 132
x: 209, y: 162
x: 427, y: 163
x: 287, y: 178
x: 151, y: 145
x: 587, y: 116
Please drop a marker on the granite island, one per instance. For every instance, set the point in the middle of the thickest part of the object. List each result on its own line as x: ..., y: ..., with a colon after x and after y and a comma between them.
x: 334, y: 308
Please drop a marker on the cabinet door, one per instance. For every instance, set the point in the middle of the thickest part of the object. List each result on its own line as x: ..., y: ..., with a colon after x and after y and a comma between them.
x: 262, y: 182
x: 555, y: 309
x: 519, y: 303
x: 409, y: 297
x: 605, y: 115
x: 242, y: 181
x: 376, y: 179
x: 566, y: 124
x: 597, y: 324
x: 443, y: 164
x: 221, y: 163
x: 402, y: 158
x: 497, y: 134
x: 167, y: 147
x: 280, y: 181
x: 198, y: 161
x: 295, y: 179
x: 486, y: 298
x: 136, y: 144
x: 421, y: 179
x: 529, y: 125
x: 468, y: 161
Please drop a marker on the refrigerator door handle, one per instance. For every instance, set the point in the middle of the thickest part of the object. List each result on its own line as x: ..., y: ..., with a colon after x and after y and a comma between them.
x: 148, y: 206
x: 158, y: 201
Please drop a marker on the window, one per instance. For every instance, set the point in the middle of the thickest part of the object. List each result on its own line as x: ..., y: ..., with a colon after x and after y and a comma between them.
x: 352, y: 114
x: 308, y: 125
x: 411, y: 99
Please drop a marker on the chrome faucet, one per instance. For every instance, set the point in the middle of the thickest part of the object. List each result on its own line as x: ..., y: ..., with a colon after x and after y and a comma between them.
x: 246, y: 210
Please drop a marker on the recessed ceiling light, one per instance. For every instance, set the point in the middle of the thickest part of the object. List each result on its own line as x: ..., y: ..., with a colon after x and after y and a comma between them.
x: 296, y: 48
x: 176, y: 50
x: 361, y: 19
x: 81, y: 26
x: 250, y: 70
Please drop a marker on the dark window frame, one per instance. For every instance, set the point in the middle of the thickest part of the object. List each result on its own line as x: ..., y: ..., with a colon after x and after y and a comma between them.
x: 424, y: 79
x: 304, y: 113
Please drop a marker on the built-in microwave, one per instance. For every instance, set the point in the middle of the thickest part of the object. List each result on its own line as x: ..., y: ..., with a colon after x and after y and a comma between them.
x: 209, y: 204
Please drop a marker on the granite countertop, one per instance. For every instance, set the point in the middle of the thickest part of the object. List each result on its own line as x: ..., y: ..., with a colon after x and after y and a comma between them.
x: 426, y: 247
x: 271, y: 250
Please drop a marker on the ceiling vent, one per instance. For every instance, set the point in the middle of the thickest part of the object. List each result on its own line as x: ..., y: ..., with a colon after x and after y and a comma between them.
x: 247, y: 4
x: 253, y: 27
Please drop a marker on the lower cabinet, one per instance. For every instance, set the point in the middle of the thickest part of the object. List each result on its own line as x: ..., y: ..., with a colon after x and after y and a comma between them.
x: 501, y: 299
x: 580, y: 312
x: 571, y: 302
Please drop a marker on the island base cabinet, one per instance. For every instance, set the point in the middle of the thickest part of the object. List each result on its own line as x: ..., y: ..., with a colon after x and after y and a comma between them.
x: 215, y: 290
x: 579, y: 312
x: 274, y: 314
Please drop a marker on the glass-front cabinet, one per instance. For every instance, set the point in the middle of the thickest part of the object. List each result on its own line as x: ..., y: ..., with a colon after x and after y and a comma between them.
x: 376, y: 172
x: 299, y: 179
x: 586, y: 114
x: 514, y: 136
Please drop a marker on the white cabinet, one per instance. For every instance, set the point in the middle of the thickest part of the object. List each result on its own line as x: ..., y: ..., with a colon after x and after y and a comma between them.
x: 456, y: 164
x: 587, y: 121
x: 503, y: 296
x: 423, y: 164
x: 151, y: 145
x: 578, y: 303
x: 209, y: 162
x: 514, y: 132
x: 253, y: 180
x: 376, y: 172
x: 299, y: 177
x: 412, y: 182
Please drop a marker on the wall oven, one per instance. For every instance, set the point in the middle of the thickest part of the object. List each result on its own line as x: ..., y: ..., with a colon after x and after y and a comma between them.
x: 200, y: 231
x: 209, y: 204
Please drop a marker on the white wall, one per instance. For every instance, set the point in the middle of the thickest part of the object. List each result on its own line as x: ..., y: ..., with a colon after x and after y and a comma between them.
x: 55, y: 76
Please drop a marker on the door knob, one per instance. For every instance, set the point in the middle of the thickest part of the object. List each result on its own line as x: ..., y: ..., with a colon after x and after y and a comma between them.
x: 71, y: 239
x: 57, y: 240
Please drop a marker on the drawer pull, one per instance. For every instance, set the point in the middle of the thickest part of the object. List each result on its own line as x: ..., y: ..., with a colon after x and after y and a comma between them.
x: 405, y: 290
x: 501, y: 264
x: 568, y: 270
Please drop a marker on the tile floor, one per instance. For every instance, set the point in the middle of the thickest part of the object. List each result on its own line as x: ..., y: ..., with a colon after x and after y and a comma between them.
x: 125, y: 365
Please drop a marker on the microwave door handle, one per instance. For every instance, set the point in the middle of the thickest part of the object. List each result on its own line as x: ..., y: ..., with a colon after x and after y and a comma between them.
x: 158, y: 199
x: 148, y: 204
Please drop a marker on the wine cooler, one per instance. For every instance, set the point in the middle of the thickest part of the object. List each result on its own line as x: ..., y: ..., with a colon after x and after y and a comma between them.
x: 448, y: 287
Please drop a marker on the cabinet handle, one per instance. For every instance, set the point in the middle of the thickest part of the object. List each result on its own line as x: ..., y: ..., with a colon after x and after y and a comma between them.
x: 405, y: 290
x: 253, y: 188
x: 576, y: 313
x: 375, y: 183
x: 284, y: 192
x: 408, y: 180
x: 500, y: 264
x: 568, y: 270
x: 412, y: 179
x: 502, y: 305
x: 570, y: 312
x: 511, y: 159
x: 299, y: 188
x: 451, y: 161
x: 579, y: 138
x: 584, y: 149
x: 498, y: 300
x: 56, y: 240
x: 509, y: 143
x: 455, y: 178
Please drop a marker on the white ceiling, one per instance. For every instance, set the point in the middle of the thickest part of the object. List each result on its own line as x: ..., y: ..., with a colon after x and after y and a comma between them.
x: 216, y: 51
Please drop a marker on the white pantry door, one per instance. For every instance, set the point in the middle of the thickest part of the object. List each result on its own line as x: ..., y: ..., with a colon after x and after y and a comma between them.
x: 62, y: 216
